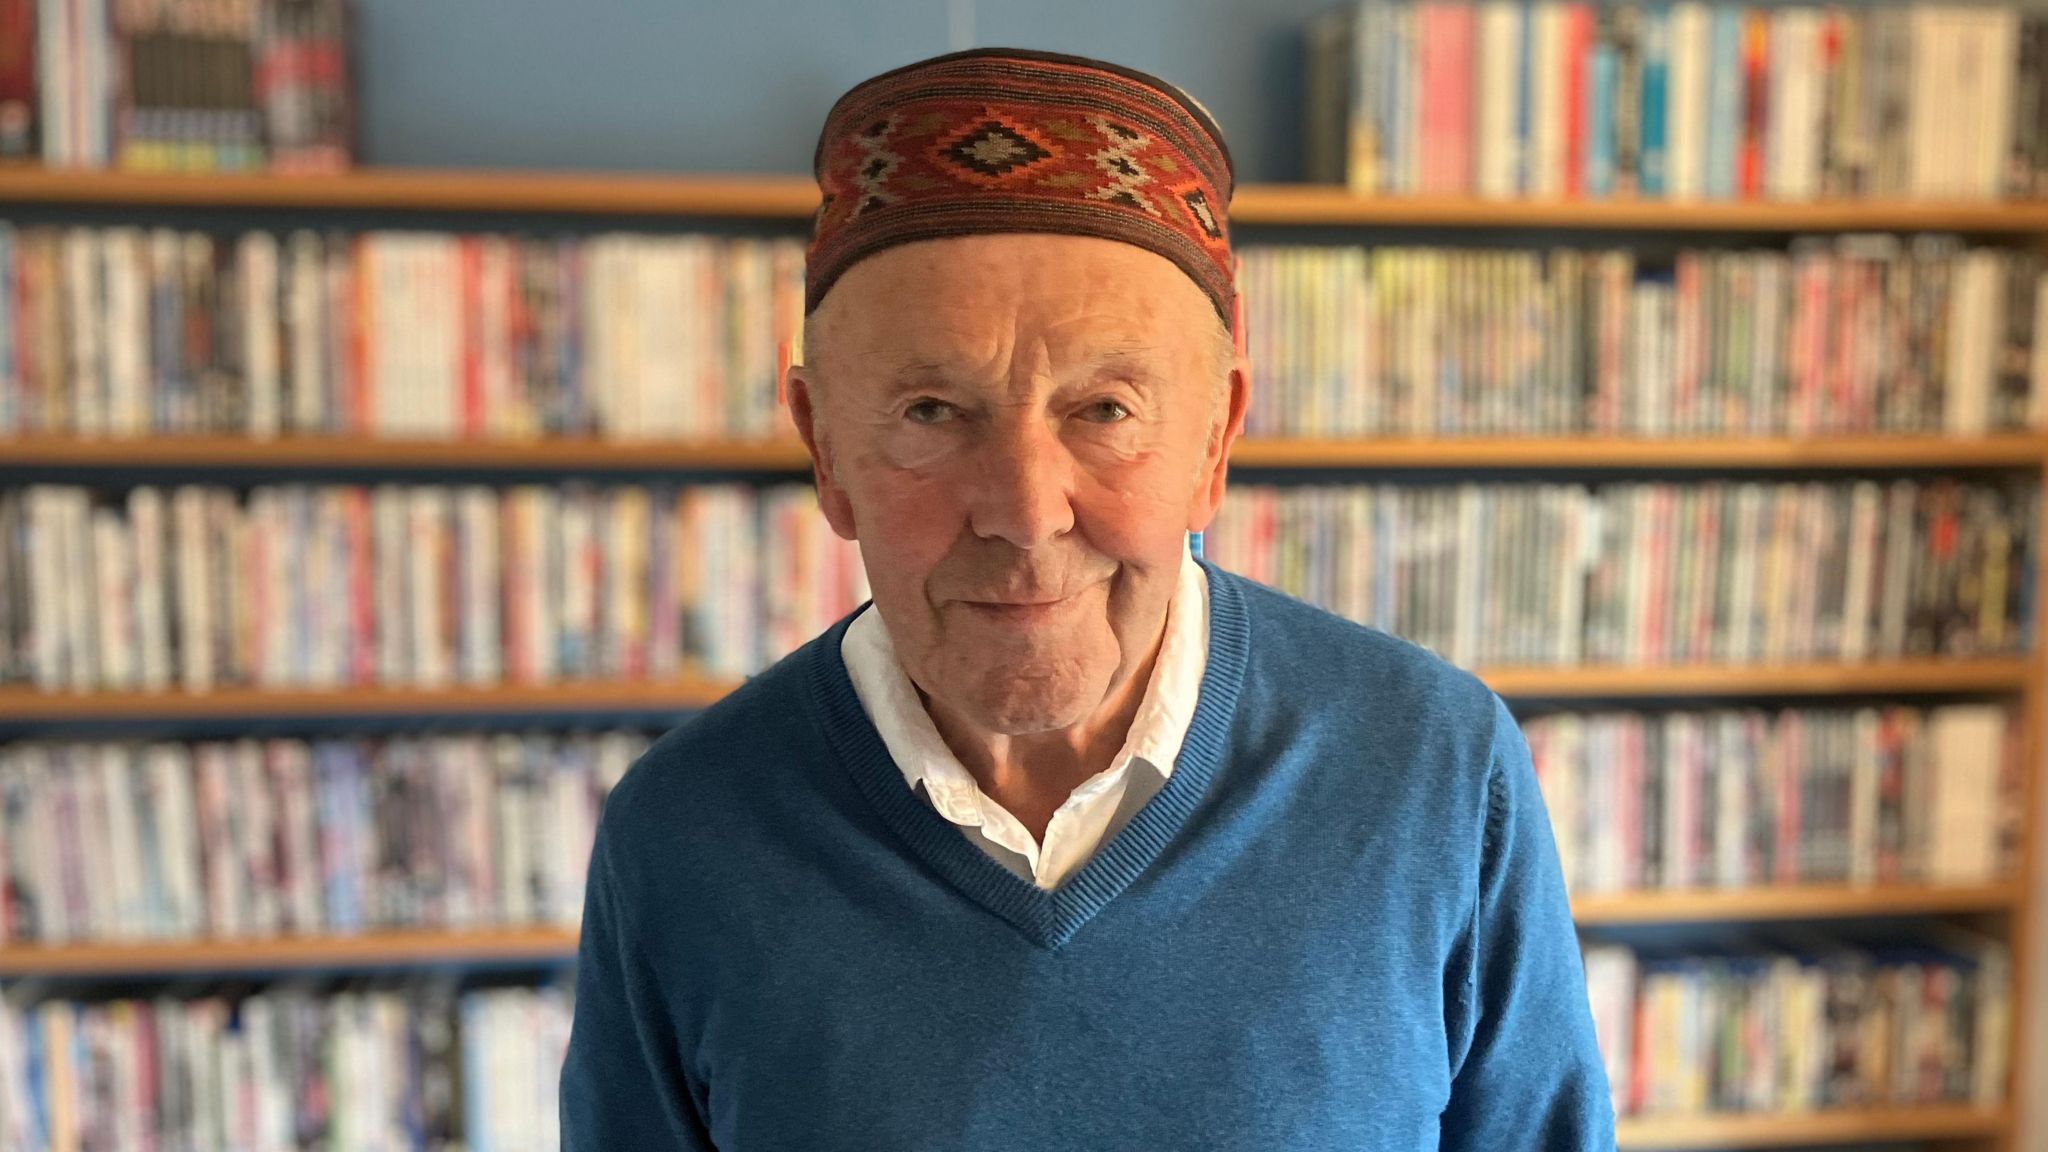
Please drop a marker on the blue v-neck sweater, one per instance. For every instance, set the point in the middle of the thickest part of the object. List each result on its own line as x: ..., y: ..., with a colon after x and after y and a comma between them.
x: 1340, y: 925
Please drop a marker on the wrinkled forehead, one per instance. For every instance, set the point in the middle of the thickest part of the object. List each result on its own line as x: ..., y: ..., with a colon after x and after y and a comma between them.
x: 972, y: 298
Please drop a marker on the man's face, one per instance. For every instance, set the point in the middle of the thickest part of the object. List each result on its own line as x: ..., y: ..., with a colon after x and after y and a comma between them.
x: 1020, y: 430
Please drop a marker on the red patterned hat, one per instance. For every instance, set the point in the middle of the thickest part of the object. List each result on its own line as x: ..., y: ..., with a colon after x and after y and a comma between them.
x: 1004, y: 140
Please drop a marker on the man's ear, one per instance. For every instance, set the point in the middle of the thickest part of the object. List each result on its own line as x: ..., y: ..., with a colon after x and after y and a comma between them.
x: 799, y: 388
x: 1216, y: 466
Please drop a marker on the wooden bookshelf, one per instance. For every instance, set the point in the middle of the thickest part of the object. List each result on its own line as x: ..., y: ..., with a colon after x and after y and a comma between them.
x: 19, y: 704
x: 2014, y: 450
x: 370, y: 950
x: 793, y: 198
x: 1772, y: 1130
x: 421, y: 947
x: 1793, y: 902
x: 786, y: 202
x: 1652, y: 681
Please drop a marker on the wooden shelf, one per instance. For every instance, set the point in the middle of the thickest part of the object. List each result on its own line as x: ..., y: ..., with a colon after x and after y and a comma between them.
x: 1640, y: 681
x: 378, y: 949
x: 24, y: 704
x: 1811, y: 1128
x: 2001, y: 451
x: 397, y: 948
x: 229, y: 452
x: 1791, y: 902
x: 426, y: 190
x: 793, y: 198
x: 27, y: 704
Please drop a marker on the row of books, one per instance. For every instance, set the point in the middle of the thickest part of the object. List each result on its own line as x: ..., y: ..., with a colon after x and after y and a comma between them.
x: 1796, y: 1022
x: 427, y: 586
x: 1682, y: 101
x: 419, y: 335
x: 1745, y: 797
x: 1653, y: 573
x: 176, y: 85
x: 255, y: 839
x: 1854, y: 334
x: 422, y: 1067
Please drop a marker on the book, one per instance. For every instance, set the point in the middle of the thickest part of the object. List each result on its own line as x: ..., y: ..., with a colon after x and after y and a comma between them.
x: 401, y: 335
x: 1784, y: 549
x: 1848, y: 335
x: 1787, y: 103
x: 419, y: 585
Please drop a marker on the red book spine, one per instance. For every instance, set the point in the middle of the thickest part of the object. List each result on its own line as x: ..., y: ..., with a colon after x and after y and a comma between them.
x: 1460, y: 78
x: 18, y: 81
x: 1756, y: 73
x: 1660, y: 573
x: 1791, y: 773
x: 1578, y: 57
x: 471, y: 352
x: 1434, y: 89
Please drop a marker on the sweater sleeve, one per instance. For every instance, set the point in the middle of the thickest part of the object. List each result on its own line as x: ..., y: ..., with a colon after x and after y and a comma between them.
x: 622, y: 1080
x: 1526, y: 1073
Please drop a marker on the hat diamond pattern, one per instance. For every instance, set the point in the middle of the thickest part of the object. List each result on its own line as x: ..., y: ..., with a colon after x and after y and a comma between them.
x: 993, y: 149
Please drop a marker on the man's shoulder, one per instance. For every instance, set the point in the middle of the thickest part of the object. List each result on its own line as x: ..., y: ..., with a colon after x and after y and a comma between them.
x: 1336, y: 659
x: 724, y: 753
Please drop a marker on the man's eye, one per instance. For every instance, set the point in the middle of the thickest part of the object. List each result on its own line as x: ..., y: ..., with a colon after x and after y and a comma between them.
x: 928, y: 411
x: 1106, y: 412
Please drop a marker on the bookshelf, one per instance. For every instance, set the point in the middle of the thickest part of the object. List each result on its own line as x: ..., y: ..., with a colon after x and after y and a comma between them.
x: 18, y: 704
x: 1815, y: 1128
x: 2010, y: 450
x: 413, y: 948
x: 794, y: 198
x: 787, y: 201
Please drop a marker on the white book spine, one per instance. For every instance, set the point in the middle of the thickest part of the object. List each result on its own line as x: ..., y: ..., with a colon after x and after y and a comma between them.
x: 483, y: 594
x: 389, y: 575
x: 2037, y: 372
x: 127, y: 334
x: 1547, y: 92
x: 80, y: 618
x: 85, y: 315
x: 114, y: 593
x: 1969, y: 750
x: 1497, y: 71
x: 428, y: 544
x: 308, y: 312
x: 494, y: 335
x: 261, y: 352
x: 49, y: 655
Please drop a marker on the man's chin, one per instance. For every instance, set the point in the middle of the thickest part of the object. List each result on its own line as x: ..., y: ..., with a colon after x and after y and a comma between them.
x: 1014, y: 705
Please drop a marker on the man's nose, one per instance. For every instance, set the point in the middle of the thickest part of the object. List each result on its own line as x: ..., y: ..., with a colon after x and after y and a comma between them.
x: 1021, y: 488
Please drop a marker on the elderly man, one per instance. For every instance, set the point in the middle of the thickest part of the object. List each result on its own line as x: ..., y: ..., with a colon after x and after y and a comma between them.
x: 1068, y: 840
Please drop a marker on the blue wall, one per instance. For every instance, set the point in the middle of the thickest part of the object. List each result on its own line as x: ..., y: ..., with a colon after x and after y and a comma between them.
x: 688, y: 85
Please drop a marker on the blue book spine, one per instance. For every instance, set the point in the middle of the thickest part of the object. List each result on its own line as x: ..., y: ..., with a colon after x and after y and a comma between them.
x: 1656, y: 101
x: 1525, y: 98
x: 476, y: 1120
x: 1394, y: 141
x: 36, y: 1077
x: 167, y: 353
x: 1600, y: 122
x: 1724, y: 103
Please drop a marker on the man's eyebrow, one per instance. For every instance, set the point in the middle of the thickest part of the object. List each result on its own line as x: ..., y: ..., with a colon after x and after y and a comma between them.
x: 1139, y: 364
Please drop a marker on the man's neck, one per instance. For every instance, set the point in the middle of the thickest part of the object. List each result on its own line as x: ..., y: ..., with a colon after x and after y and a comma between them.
x: 1032, y: 775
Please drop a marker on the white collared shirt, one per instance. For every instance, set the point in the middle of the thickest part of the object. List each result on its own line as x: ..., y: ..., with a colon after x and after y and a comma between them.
x: 1102, y: 804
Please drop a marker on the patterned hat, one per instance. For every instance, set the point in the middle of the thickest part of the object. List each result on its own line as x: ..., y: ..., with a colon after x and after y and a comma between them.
x: 1004, y: 140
